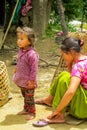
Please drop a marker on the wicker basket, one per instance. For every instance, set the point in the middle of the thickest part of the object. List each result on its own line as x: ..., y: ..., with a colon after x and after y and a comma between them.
x: 4, y: 84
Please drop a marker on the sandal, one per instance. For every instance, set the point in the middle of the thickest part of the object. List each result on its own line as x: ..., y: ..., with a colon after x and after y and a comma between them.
x: 40, y: 123
x: 41, y: 102
x: 44, y: 122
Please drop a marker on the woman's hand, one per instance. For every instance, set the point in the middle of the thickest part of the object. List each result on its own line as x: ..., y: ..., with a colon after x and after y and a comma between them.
x: 54, y: 115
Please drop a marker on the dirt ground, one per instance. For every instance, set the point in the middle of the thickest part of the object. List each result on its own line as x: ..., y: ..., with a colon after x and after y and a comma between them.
x: 9, y: 120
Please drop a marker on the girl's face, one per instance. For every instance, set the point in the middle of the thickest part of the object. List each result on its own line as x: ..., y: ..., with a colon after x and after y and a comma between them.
x: 23, y: 41
x: 68, y: 57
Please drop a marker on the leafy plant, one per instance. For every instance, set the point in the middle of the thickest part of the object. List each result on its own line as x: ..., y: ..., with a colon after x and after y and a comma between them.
x: 71, y: 28
x: 53, y: 25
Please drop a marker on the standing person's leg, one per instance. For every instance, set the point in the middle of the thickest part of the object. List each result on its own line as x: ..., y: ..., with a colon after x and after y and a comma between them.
x: 30, y: 103
x: 24, y: 111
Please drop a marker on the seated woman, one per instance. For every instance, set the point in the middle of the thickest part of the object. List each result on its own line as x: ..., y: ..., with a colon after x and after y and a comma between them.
x: 69, y: 90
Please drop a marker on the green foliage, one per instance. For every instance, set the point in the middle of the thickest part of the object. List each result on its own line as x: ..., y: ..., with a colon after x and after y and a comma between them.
x: 85, y: 26
x: 85, y: 9
x: 52, y: 30
x: 71, y: 28
x: 54, y: 26
x: 73, y: 9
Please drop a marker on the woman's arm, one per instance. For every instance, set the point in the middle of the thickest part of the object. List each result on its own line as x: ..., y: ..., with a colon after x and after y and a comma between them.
x: 74, y: 84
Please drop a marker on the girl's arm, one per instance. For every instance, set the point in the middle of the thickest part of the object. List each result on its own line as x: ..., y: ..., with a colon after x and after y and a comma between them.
x: 33, y: 73
x: 74, y: 84
x: 34, y: 66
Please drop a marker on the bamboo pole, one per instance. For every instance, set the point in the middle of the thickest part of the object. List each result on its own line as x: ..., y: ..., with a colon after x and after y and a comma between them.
x: 9, y: 25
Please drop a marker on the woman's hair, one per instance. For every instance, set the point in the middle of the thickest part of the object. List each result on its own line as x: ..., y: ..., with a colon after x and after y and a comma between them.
x: 29, y: 32
x: 70, y: 43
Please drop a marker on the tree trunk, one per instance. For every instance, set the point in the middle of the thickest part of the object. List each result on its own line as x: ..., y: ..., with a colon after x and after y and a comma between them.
x: 41, y: 13
x: 62, y: 17
x: 2, y: 12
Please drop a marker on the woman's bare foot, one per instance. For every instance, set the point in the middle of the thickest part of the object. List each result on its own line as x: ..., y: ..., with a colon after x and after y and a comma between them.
x: 56, y: 119
x: 47, y: 101
x: 23, y: 112
x: 30, y: 116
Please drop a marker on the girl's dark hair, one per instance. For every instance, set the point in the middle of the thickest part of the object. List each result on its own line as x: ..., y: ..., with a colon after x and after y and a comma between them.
x: 29, y: 32
x: 70, y: 43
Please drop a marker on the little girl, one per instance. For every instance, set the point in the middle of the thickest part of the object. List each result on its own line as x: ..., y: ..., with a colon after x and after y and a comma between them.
x: 26, y: 69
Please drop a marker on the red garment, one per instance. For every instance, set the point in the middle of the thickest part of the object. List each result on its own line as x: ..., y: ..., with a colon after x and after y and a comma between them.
x: 26, y: 8
x: 29, y: 103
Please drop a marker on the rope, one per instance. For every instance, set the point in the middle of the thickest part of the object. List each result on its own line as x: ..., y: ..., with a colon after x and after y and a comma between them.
x: 3, y: 40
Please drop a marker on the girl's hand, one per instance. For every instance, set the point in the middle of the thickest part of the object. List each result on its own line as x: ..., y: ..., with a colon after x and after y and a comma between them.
x: 31, y: 84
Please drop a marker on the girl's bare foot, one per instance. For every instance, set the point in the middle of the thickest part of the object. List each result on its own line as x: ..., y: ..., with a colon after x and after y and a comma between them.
x: 23, y: 112
x: 30, y: 116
